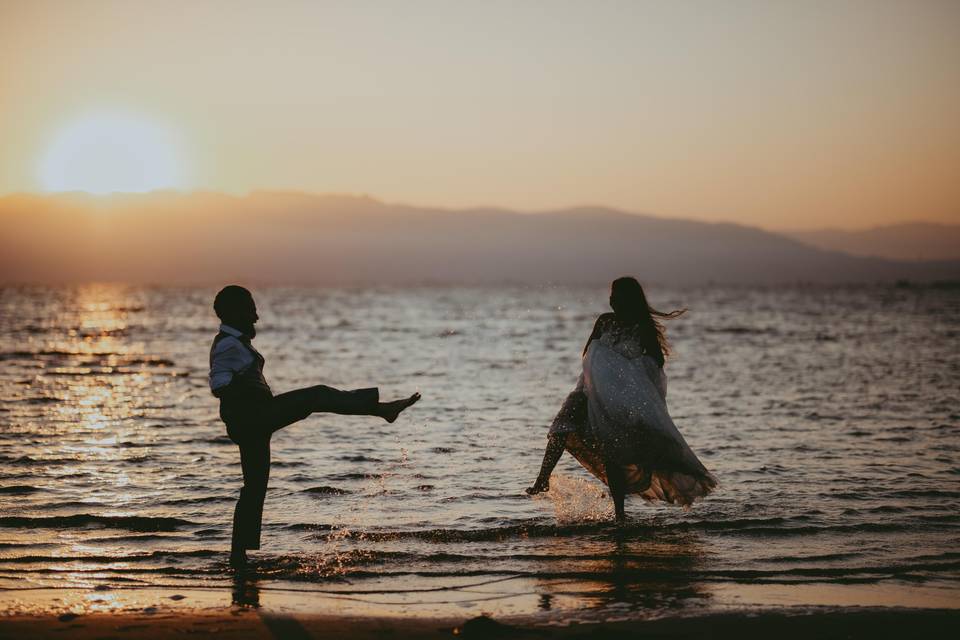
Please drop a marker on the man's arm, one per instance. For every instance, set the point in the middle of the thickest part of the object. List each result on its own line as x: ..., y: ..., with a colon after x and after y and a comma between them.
x: 229, y: 359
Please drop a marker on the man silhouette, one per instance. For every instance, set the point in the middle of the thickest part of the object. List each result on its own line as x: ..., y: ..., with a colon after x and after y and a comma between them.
x: 252, y: 413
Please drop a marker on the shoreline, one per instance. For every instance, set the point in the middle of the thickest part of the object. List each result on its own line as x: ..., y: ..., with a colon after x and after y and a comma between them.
x: 145, y: 613
x: 783, y: 623
x: 584, y: 599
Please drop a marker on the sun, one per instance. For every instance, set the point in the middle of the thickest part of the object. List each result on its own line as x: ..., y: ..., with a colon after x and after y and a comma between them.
x: 108, y: 152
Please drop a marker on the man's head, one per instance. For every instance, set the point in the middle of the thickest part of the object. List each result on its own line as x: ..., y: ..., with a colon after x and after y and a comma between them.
x: 234, y: 306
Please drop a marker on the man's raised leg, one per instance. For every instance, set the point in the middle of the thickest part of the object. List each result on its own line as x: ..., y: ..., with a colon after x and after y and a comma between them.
x: 293, y: 406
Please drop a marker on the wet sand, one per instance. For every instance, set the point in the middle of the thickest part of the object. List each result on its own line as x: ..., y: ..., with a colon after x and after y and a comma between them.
x: 147, y: 613
x: 782, y: 624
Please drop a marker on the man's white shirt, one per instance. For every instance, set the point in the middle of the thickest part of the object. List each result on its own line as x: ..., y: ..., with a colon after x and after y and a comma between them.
x: 230, y: 357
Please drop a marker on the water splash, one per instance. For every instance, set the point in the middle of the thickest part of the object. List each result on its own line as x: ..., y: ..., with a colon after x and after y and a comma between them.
x: 342, y: 547
x: 337, y: 554
x: 577, y: 500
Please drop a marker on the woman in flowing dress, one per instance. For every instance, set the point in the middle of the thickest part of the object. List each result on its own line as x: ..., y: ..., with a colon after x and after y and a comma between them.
x: 615, y: 422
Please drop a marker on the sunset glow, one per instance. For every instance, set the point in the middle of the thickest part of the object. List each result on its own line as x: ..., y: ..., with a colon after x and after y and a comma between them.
x: 111, y: 152
x: 778, y: 115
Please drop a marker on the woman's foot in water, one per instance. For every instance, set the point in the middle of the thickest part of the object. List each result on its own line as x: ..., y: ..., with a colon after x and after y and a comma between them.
x: 538, y: 487
x: 390, y: 410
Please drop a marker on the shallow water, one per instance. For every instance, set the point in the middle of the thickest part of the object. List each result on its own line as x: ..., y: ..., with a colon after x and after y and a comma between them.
x: 829, y: 415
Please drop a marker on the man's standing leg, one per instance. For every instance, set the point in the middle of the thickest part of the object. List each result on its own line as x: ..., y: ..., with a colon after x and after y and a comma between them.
x: 255, y: 462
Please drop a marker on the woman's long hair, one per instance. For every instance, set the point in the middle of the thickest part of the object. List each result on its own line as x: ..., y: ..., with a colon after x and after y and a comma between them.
x: 632, y: 309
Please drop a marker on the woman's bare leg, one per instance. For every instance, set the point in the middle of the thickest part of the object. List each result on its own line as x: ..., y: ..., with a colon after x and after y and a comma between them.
x: 551, y: 456
x: 617, y: 483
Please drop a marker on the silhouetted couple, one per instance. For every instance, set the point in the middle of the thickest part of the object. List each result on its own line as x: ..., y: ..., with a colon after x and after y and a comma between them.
x: 252, y: 413
x: 615, y: 422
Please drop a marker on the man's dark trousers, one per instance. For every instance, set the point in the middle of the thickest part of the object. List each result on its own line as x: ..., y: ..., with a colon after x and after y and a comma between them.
x: 252, y: 430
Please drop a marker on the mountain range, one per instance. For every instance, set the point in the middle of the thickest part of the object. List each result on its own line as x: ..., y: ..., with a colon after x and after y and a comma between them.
x: 280, y: 237
x: 912, y: 241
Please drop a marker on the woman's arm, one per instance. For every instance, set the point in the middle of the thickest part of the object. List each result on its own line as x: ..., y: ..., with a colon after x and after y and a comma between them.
x: 598, y: 328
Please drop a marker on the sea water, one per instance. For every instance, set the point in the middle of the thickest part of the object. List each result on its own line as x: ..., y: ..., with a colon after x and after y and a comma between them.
x: 830, y: 416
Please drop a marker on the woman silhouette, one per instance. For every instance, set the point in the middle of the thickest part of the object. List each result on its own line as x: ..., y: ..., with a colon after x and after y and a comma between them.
x: 615, y: 422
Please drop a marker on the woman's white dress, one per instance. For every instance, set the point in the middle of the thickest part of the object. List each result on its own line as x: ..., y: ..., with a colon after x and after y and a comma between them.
x: 618, y: 412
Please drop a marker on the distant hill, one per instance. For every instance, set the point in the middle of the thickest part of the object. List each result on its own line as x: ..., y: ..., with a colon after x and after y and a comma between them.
x: 310, y: 239
x: 913, y: 241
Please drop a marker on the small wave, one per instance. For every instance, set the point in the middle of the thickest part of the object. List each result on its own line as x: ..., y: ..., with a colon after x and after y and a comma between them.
x: 925, y: 493
x: 461, y: 535
x: 940, y: 518
x: 40, y: 400
x: 361, y: 564
x: 137, y: 537
x: 740, y: 330
x: 824, y: 557
x: 91, y: 332
x: 129, y: 444
x: 878, y: 571
x: 19, y: 489
x: 326, y: 491
x: 360, y: 458
x: 129, y: 523
x: 485, y: 496
x: 22, y: 545
x: 352, y: 476
x: 128, y: 571
x: 899, y: 493
x: 87, y: 503
x: 91, y: 358
x: 202, y: 500
x: 131, y: 557
x: 772, y: 527
x: 790, y: 527
x: 20, y: 355
x: 29, y: 461
x: 213, y: 440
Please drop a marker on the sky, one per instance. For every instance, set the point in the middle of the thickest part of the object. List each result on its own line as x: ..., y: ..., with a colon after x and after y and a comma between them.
x: 783, y: 115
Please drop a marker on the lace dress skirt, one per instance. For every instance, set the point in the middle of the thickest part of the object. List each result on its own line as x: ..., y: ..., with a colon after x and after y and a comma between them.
x: 618, y: 412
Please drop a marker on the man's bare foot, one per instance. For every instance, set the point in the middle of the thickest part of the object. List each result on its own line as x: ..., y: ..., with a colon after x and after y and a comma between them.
x: 538, y: 487
x: 390, y: 410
